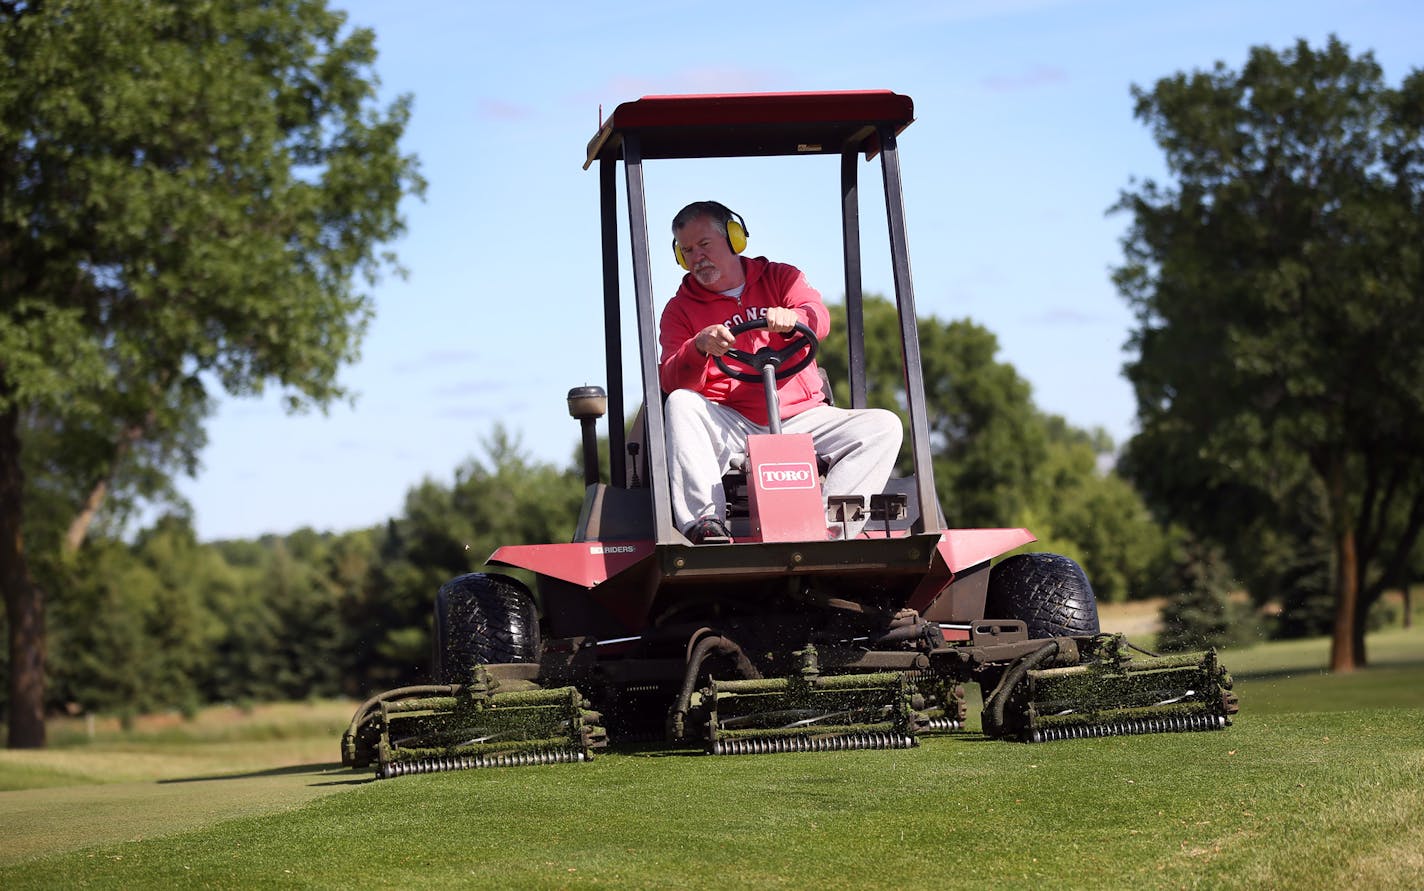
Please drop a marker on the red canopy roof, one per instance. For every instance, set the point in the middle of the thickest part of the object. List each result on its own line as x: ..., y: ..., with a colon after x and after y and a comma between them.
x: 753, y: 124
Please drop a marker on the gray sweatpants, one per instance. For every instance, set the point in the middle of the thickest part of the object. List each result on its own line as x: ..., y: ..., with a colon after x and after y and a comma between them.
x: 706, y: 438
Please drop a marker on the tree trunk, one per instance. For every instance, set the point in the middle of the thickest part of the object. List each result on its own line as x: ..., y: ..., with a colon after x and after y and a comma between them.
x: 79, y: 528
x: 1362, y: 624
x: 1343, y: 654
x: 1346, y: 646
x: 1408, y: 606
x: 24, y: 603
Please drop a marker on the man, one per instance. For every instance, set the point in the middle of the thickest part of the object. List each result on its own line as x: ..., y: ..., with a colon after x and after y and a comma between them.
x: 709, y: 415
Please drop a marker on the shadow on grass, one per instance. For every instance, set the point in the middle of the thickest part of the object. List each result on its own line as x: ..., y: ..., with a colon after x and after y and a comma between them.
x: 653, y: 749
x: 1277, y: 674
x: 358, y: 780
x: 324, y: 769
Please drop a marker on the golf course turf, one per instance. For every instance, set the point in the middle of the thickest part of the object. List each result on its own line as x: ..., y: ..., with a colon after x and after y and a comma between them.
x: 1319, y: 783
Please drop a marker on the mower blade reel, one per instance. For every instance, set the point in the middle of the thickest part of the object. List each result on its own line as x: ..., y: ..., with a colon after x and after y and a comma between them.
x: 945, y: 707
x: 811, y: 714
x: 1120, y: 696
x: 474, y: 728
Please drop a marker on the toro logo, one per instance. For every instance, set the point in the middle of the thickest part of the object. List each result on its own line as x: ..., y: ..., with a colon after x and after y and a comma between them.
x: 787, y: 476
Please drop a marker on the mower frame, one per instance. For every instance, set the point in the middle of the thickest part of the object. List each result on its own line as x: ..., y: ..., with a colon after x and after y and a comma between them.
x: 860, y: 643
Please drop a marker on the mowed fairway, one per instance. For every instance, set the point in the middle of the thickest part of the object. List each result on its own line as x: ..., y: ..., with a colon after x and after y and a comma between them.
x: 1320, y: 783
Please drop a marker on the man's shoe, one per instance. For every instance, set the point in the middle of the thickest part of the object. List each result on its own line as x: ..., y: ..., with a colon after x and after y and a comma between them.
x: 709, y: 530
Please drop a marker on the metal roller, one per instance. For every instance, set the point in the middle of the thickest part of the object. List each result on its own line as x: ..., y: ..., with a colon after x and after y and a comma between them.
x: 837, y: 743
x: 944, y: 725
x: 393, y: 769
x: 1182, y: 724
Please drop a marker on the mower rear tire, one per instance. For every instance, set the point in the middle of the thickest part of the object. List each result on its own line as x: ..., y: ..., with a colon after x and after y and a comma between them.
x: 1048, y: 592
x: 482, y: 619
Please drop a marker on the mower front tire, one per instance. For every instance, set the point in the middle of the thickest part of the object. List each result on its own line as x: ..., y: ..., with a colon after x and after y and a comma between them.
x: 482, y: 619
x: 1048, y: 592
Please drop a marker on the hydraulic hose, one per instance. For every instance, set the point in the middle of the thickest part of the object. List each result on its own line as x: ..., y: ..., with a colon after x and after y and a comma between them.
x: 705, y: 647
x: 1011, y: 679
x: 364, y: 713
x: 369, y: 705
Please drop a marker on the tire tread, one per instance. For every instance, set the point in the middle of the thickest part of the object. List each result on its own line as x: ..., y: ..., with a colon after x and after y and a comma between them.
x: 482, y: 619
x: 1048, y: 592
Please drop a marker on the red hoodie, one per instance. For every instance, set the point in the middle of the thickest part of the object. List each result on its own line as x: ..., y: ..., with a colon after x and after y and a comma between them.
x: 693, y: 307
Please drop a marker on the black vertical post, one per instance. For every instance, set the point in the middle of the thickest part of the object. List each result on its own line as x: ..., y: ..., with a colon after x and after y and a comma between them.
x: 854, y: 295
x: 590, y: 451
x: 647, y: 338
x: 612, y: 322
x: 909, y: 331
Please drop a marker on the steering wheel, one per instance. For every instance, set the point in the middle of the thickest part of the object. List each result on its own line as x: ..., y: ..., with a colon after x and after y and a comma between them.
x: 766, y: 356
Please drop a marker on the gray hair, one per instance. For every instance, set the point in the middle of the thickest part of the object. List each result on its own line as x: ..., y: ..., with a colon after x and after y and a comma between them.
x: 712, y: 210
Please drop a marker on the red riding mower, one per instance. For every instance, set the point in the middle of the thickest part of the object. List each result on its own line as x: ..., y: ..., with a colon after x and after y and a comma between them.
x: 784, y: 640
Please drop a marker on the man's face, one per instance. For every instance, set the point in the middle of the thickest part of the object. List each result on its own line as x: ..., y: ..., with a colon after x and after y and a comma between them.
x: 709, y: 257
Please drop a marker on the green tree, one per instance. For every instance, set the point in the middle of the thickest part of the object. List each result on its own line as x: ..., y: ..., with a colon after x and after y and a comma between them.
x: 1094, y: 516
x: 1278, y: 283
x: 135, y: 630
x: 192, y: 192
x: 998, y: 460
x: 166, y: 622
x: 283, y: 634
x: 500, y: 497
x: 986, y: 435
x: 1199, y: 612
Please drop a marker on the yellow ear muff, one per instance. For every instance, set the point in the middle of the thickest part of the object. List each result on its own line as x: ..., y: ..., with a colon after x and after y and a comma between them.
x: 736, y: 236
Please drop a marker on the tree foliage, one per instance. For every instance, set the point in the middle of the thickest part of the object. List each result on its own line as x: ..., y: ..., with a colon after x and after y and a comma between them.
x: 502, y: 498
x: 998, y: 460
x: 166, y: 622
x: 192, y: 193
x: 1199, y: 612
x: 1279, y: 294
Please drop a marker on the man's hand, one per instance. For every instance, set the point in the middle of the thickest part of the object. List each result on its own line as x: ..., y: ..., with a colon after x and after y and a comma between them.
x: 781, y: 319
x: 714, y: 340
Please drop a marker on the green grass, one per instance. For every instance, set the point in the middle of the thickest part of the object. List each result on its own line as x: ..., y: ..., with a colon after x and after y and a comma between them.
x: 168, y: 747
x: 1320, y: 783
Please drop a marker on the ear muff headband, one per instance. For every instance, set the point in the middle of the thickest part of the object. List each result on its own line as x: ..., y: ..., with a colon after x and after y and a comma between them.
x: 736, y: 235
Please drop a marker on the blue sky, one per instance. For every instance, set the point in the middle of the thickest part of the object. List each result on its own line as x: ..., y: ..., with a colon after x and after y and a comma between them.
x: 1024, y: 137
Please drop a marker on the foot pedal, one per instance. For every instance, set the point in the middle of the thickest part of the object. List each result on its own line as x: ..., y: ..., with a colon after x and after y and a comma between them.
x: 843, y: 509
x: 889, y: 507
